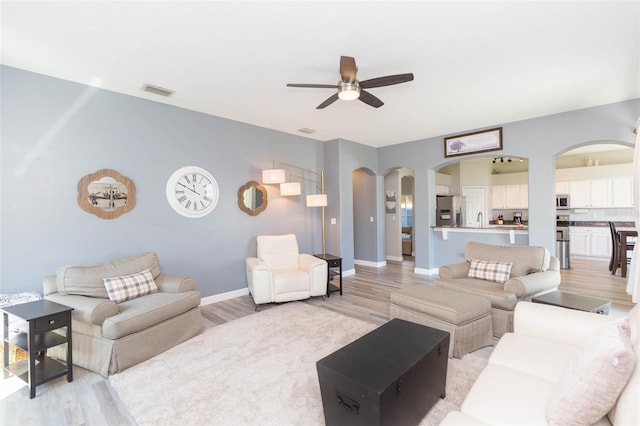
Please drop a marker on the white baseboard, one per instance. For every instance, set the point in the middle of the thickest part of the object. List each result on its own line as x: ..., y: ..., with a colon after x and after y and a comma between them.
x: 348, y: 272
x: 369, y: 263
x: 224, y: 296
x: 396, y: 259
x: 421, y: 271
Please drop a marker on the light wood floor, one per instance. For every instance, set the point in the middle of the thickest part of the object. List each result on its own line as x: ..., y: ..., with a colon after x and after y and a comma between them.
x: 90, y: 399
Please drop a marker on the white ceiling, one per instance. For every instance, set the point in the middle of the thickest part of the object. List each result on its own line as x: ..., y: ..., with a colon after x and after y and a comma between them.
x: 476, y: 64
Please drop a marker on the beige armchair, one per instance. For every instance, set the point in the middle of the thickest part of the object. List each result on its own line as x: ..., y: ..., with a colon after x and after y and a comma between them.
x: 280, y: 273
x: 533, y: 271
x: 110, y: 336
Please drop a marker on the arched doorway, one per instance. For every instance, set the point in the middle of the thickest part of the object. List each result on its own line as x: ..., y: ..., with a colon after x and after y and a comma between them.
x: 398, y: 207
x: 597, y: 180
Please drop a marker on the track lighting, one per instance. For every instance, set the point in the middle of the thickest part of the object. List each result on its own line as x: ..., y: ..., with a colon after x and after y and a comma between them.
x: 501, y: 159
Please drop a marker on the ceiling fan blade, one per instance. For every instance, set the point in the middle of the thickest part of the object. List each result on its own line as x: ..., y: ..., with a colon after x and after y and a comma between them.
x: 388, y: 80
x: 348, y: 69
x: 328, y: 102
x: 369, y: 99
x: 315, y: 86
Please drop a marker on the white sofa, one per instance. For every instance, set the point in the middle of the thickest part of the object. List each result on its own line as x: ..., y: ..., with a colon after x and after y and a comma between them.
x: 517, y: 385
x: 280, y: 273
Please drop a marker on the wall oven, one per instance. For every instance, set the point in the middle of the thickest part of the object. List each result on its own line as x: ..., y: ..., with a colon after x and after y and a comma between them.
x: 562, y: 227
x: 562, y: 202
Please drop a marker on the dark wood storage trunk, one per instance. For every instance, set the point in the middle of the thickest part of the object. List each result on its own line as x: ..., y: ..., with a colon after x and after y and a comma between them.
x: 391, y: 376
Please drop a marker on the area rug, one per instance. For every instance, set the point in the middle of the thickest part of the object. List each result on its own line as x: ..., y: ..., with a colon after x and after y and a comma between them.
x: 258, y: 370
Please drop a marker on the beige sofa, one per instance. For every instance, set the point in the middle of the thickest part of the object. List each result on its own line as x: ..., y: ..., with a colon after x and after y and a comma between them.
x: 525, y: 370
x: 534, y: 271
x: 109, y: 337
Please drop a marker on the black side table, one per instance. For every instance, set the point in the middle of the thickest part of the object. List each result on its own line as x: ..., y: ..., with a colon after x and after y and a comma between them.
x: 334, y: 264
x: 35, y: 335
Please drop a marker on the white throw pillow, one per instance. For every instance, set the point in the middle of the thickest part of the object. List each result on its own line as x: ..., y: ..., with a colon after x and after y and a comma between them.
x: 128, y: 287
x: 594, y: 378
x: 491, y: 271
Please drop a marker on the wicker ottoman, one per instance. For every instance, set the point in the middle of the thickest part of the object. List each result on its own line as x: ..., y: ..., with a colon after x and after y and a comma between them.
x: 466, y: 317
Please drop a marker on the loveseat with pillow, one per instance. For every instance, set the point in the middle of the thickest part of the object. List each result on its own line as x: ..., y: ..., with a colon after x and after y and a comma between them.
x: 559, y: 367
x: 124, y: 311
x: 504, y: 275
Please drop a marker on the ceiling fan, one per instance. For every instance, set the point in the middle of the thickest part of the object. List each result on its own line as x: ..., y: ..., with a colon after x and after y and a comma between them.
x: 349, y: 88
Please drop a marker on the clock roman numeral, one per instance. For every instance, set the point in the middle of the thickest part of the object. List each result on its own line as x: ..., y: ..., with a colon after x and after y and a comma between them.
x: 181, y: 199
x: 203, y: 205
x: 208, y: 199
x: 187, y: 179
x: 179, y: 191
x: 188, y: 204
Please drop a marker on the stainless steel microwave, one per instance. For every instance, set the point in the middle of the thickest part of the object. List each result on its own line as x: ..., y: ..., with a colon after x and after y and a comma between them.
x: 562, y: 202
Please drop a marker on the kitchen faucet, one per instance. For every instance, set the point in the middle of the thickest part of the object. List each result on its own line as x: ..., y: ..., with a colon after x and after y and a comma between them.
x: 479, y: 219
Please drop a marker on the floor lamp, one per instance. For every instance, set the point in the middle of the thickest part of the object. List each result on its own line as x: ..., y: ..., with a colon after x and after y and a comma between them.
x: 278, y: 176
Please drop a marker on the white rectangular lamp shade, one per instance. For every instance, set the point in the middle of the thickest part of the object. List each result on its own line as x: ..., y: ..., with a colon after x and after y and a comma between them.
x: 271, y: 176
x: 317, y: 200
x: 290, y: 189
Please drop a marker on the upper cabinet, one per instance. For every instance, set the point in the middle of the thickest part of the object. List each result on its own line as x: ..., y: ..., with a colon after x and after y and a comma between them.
x: 590, y: 193
x: 443, y: 184
x: 608, y: 186
x: 562, y: 187
x: 513, y: 196
x: 623, y: 191
x: 510, y: 191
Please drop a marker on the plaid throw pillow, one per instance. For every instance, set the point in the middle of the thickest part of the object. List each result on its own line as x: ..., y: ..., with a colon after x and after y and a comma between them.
x: 490, y: 271
x: 128, y: 287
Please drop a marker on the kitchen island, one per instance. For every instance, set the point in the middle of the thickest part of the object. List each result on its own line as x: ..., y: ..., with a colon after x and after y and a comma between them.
x: 449, y: 243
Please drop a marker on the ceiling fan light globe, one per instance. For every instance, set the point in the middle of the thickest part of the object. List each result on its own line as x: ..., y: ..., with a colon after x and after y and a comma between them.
x: 348, y: 91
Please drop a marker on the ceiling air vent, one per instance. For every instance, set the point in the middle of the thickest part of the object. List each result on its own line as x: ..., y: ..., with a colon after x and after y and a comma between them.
x: 157, y: 90
x: 307, y: 130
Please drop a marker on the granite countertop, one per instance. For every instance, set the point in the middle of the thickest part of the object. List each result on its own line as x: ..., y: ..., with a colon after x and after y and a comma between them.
x: 487, y: 228
x: 597, y: 223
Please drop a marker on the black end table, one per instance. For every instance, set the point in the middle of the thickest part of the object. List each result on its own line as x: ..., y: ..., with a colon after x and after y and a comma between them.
x: 390, y: 376
x: 334, y: 265
x: 574, y: 301
x: 35, y: 334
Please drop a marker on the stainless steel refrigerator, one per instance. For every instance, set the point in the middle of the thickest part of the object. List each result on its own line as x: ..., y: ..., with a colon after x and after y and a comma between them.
x: 449, y: 210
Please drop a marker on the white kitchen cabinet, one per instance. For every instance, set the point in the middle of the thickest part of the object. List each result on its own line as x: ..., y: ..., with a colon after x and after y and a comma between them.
x: 593, y: 242
x: 579, y: 193
x: 524, y: 195
x: 590, y: 193
x: 499, y: 197
x: 600, y: 192
x: 578, y: 243
x: 622, y: 191
x: 562, y: 187
x: 442, y: 190
x: 513, y: 196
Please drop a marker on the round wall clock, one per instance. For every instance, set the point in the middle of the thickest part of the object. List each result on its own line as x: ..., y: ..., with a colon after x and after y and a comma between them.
x: 192, y: 191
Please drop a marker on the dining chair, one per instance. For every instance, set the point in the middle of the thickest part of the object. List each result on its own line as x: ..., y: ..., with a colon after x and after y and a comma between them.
x: 618, y: 246
x: 614, y: 245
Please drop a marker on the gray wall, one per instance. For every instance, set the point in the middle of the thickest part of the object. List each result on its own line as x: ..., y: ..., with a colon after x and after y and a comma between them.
x: 54, y: 132
x: 364, y: 209
x: 342, y: 157
x: 539, y: 140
